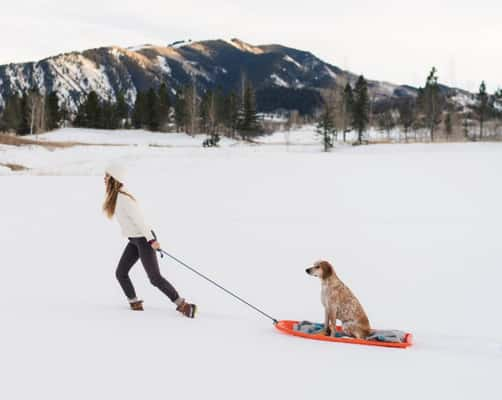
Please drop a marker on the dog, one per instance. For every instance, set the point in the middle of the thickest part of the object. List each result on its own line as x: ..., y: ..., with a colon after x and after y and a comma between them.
x: 339, y: 303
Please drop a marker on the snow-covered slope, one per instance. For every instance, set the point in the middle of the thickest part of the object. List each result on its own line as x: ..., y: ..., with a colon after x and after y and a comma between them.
x: 413, y: 230
x: 110, y: 70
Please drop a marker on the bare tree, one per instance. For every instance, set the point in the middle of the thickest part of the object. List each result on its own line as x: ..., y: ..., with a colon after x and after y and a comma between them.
x: 407, y: 116
x: 191, y: 107
x: 326, y: 125
x: 36, y: 112
x: 482, y: 107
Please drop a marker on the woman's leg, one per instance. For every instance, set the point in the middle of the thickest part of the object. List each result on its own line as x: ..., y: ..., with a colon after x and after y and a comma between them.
x: 128, y: 259
x: 151, y: 265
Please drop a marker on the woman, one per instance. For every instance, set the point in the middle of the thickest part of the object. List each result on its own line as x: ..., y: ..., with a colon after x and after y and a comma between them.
x: 142, y: 243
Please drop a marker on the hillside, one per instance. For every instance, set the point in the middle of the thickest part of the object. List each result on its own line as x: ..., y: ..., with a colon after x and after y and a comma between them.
x: 279, y: 73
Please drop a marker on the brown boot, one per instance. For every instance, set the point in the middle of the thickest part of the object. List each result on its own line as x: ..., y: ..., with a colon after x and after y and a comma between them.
x: 187, y: 309
x: 136, y: 305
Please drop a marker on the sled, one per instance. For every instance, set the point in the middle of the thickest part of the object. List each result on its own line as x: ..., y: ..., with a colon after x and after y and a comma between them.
x: 287, y: 327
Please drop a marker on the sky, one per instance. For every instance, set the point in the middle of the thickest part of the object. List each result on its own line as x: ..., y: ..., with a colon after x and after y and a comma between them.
x: 395, y: 41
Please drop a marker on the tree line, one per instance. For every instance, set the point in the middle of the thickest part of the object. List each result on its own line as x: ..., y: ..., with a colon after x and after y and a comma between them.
x: 347, y: 110
x: 215, y: 112
x: 432, y: 112
x: 31, y: 113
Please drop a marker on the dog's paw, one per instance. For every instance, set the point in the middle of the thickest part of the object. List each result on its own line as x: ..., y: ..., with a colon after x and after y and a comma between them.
x: 325, y: 332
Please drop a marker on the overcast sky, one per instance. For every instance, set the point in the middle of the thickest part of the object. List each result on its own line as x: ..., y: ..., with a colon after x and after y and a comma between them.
x: 396, y: 41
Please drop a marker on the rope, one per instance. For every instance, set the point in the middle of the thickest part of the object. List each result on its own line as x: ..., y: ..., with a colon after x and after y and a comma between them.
x: 162, y: 252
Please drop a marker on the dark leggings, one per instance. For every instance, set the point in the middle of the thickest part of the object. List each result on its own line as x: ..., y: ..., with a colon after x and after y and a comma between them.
x: 139, y: 248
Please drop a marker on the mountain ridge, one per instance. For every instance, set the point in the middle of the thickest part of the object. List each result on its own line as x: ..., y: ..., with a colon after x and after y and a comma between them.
x: 214, y: 63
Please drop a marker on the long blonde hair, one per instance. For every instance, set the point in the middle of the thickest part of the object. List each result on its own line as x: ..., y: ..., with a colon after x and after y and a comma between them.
x: 113, y: 188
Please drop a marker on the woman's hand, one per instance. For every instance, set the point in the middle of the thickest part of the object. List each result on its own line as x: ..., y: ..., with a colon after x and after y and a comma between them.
x: 155, y: 245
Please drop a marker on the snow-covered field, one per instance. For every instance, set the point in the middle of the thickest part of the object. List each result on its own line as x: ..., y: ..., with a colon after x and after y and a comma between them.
x: 414, y: 230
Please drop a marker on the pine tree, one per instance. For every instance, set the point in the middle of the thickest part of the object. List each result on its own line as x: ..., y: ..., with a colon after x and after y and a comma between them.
x: 205, y: 106
x: 347, y: 109
x: 430, y: 100
x: 11, y: 116
x: 482, y: 107
x: 360, y: 114
x: 152, y: 110
x: 407, y: 116
x: 93, y: 111
x: 89, y: 114
x: 121, y: 110
x: 24, y: 126
x: 231, y: 112
x: 180, y: 116
x: 164, y: 106
x: 448, y: 125
x: 249, y: 123
x: 139, y: 111
x: 52, y: 111
x: 326, y: 125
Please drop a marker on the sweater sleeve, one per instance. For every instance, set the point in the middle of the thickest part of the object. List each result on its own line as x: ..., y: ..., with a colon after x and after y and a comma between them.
x: 134, y: 214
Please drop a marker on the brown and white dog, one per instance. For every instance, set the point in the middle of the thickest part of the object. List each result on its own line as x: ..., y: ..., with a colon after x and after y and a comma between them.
x: 339, y: 303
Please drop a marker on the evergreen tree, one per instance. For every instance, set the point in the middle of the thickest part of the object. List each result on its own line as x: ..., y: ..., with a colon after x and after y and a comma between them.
x: 205, y: 110
x: 448, y: 125
x: 230, y: 113
x: 360, y: 114
x: 326, y: 125
x: 180, y: 106
x: 407, y: 116
x: 121, y: 110
x: 164, y: 105
x: 139, y: 111
x: 11, y: 116
x: 430, y: 100
x: 52, y: 111
x: 89, y: 114
x: 347, y: 109
x: 482, y: 107
x: 249, y: 125
x: 24, y: 125
x: 110, y: 116
x: 93, y: 111
x: 152, y: 110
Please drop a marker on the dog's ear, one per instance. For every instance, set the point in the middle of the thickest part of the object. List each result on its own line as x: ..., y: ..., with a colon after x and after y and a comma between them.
x: 327, y: 269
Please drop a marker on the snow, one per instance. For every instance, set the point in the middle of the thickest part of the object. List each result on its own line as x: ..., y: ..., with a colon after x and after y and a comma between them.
x: 77, y: 73
x: 163, y: 65
x: 140, y: 47
x: 117, y: 52
x: 293, y: 61
x: 413, y: 230
x: 384, y: 89
x: 17, y: 78
x: 330, y: 72
x: 242, y: 46
x: 278, y: 80
x: 464, y: 99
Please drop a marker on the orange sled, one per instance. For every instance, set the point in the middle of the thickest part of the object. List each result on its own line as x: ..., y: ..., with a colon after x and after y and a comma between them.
x: 287, y: 327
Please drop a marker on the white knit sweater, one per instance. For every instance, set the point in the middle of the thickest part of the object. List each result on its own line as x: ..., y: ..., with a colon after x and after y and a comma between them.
x: 130, y: 218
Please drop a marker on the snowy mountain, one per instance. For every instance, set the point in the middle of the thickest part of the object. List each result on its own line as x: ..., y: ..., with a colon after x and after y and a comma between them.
x: 273, y: 69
